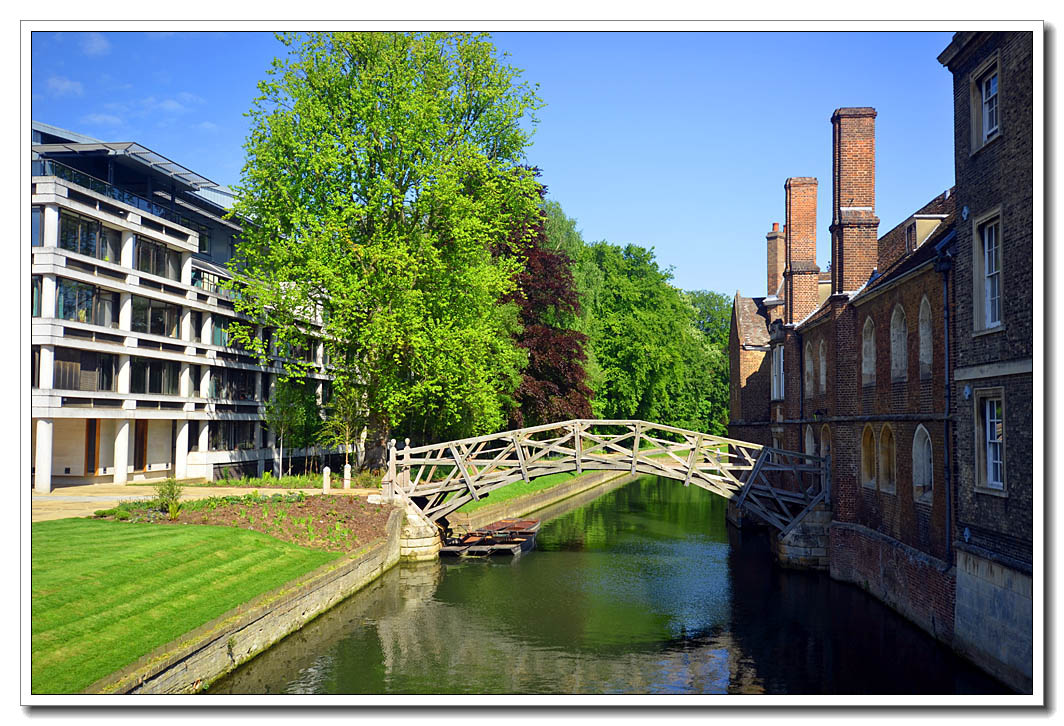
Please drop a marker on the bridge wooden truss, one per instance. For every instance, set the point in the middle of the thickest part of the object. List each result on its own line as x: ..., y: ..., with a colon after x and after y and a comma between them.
x: 776, y: 485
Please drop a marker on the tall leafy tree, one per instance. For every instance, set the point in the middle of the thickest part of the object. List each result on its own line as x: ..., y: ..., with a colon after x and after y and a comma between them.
x: 554, y: 383
x: 382, y: 169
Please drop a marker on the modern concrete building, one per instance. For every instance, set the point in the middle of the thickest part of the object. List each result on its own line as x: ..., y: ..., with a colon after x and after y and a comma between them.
x: 133, y: 376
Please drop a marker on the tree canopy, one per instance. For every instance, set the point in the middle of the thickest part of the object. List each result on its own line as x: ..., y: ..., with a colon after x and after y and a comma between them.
x: 382, y: 169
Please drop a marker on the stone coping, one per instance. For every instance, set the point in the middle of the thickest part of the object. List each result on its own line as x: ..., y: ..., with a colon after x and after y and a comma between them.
x: 204, y: 654
x: 520, y: 506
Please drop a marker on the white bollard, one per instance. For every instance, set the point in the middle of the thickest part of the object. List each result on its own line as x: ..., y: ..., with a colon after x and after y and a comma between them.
x: 325, y: 473
x: 347, y: 476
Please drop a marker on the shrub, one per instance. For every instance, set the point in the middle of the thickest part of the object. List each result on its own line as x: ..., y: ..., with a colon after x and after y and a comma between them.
x: 121, y: 514
x: 104, y: 513
x: 166, y: 493
x: 173, y: 509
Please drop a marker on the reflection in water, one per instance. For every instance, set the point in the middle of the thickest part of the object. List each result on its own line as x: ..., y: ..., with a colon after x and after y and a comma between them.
x: 637, y: 591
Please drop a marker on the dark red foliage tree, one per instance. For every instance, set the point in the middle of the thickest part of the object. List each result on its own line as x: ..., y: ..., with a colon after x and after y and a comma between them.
x: 554, y: 385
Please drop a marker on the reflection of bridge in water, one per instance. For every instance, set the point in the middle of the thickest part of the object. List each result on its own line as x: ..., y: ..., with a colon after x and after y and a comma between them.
x: 423, y: 639
x: 777, y: 485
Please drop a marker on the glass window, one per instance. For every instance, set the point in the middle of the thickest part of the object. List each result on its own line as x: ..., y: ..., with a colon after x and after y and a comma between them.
x: 110, y: 245
x: 994, y: 435
x: 886, y: 460
x: 68, y: 231
x: 138, y: 378
x: 35, y: 296
x: 155, y: 317
x: 221, y: 336
x: 36, y: 226
x: 75, y: 300
x: 106, y: 312
x: 926, y: 353
x: 107, y: 364
x: 156, y: 259
x: 868, y: 458
x: 899, y: 345
x: 989, y: 87
x: 991, y: 274
x: 194, y: 381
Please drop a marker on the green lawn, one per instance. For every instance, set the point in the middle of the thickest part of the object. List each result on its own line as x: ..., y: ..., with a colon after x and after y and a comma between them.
x: 105, y: 593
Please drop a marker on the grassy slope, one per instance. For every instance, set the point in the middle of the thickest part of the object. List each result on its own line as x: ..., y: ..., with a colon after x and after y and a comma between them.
x: 518, y: 489
x: 106, y: 593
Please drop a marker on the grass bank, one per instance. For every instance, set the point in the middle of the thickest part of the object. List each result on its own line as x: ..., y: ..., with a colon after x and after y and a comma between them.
x: 105, y: 593
x: 518, y: 489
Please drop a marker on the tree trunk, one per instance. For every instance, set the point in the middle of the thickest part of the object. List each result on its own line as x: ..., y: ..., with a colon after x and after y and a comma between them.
x: 377, y: 444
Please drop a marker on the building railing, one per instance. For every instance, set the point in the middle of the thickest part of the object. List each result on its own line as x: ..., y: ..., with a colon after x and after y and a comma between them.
x: 50, y: 167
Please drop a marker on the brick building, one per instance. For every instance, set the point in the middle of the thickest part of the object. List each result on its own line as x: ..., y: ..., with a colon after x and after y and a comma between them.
x: 895, y: 374
x: 993, y: 340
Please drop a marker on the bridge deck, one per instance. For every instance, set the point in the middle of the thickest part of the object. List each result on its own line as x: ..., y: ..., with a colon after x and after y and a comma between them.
x: 777, y: 485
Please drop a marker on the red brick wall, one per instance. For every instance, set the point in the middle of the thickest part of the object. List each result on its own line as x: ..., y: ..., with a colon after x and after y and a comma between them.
x: 854, y: 247
x: 801, y: 273
x: 777, y: 259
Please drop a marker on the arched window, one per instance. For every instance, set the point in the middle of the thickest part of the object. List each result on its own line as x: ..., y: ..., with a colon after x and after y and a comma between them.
x: 808, y: 375
x: 810, y: 440
x: 923, y: 465
x: 868, y: 458
x: 886, y: 460
x: 925, y: 339
x: 868, y: 353
x: 899, y: 345
x: 823, y: 366
x: 825, y: 448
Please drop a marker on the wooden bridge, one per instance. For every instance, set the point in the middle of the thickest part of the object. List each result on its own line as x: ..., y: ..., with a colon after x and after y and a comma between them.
x: 776, y: 485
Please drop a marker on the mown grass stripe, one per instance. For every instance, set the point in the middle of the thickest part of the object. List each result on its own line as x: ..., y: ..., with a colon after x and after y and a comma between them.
x: 106, y: 593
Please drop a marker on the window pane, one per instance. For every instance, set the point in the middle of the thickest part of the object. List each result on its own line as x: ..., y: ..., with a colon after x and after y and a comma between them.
x: 35, y: 296
x: 36, y: 226
x: 87, y: 232
x: 157, y: 319
x: 106, y: 380
x: 110, y: 244
x: 68, y: 232
x: 155, y: 377
x: 85, y: 303
x: 140, y: 314
x: 138, y: 380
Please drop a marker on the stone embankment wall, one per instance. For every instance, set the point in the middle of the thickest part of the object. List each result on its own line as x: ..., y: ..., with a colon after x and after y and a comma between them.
x: 808, y: 544
x: 201, y: 656
x: 995, y: 618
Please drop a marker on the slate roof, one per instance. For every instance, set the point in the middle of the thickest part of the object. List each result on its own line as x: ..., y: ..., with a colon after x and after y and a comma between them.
x: 923, y: 254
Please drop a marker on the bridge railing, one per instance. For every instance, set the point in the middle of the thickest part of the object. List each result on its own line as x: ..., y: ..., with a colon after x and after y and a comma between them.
x: 442, y: 477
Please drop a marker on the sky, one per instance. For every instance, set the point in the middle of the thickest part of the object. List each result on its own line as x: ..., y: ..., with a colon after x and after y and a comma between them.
x: 673, y: 140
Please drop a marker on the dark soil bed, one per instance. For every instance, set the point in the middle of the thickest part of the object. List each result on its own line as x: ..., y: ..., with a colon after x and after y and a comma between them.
x: 336, y: 523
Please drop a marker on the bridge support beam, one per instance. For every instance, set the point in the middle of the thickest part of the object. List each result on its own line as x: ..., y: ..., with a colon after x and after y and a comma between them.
x: 419, y: 538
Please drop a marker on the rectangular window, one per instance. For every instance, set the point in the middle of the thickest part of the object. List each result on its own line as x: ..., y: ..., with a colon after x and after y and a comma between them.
x: 994, y: 435
x: 36, y: 226
x: 35, y: 366
x: 910, y: 237
x: 85, y: 236
x: 66, y: 369
x: 155, y: 317
x: 149, y: 375
x: 35, y: 296
x: 777, y: 373
x: 106, y: 366
x: 991, y: 274
x: 156, y: 259
x: 221, y: 335
x: 988, y: 88
x: 194, y: 381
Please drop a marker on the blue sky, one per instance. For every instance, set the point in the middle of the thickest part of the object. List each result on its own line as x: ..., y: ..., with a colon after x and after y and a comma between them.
x: 679, y: 141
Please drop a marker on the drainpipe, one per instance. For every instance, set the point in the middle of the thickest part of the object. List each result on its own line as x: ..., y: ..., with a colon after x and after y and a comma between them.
x: 943, y: 265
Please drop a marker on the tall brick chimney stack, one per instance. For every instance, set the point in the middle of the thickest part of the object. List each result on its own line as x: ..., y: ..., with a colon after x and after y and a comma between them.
x: 854, y: 224
x: 801, y: 273
x: 776, y: 258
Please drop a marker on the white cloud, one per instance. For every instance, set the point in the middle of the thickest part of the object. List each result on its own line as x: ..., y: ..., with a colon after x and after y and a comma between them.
x: 62, y: 86
x: 207, y: 126
x: 95, y: 44
x: 187, y: 97
x: 169, y: 104
x: 101, y: 119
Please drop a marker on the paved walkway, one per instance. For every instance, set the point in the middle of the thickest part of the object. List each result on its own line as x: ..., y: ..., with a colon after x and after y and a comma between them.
x: 83, y: 500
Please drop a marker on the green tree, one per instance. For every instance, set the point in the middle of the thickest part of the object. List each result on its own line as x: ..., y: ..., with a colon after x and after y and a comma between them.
x: 286, y: 414
x: 382, y: 168
x: 345, y: 424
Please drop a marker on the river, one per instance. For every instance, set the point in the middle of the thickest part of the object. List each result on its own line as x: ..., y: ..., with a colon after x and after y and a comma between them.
x: 642, y: 589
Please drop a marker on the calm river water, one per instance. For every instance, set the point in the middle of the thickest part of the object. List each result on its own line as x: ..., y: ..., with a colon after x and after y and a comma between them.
x: 642, y: 589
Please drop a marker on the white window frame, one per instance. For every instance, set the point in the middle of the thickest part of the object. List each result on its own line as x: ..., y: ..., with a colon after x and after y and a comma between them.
x: 777, y: 373
x: 990, y: 438
x: 990, y: 239
x: 988, y: 98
